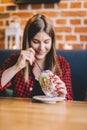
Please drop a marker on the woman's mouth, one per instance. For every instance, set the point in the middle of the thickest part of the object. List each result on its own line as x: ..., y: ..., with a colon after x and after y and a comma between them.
x: 40, y: 53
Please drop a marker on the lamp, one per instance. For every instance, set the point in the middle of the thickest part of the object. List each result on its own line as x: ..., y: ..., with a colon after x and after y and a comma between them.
x: 13, y: 31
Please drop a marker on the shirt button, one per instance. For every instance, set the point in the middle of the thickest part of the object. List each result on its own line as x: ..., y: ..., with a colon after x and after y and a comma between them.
x: 30, y: 89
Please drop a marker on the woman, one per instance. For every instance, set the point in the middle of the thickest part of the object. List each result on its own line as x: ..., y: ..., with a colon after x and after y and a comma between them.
x: 38, y: 54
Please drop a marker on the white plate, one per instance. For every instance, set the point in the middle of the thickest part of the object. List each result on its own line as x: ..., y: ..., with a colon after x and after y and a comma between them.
x: 48, y: 99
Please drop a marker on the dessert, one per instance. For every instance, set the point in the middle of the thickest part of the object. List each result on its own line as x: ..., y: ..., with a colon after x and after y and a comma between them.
x: 48, y: 86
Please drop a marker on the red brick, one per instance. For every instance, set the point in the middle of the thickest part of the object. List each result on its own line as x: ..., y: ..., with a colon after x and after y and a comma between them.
x: 62, y: 5
x: 23, y: 14
x: 60, y: 46
x: 1, y: 23
x: 48, y: 5
x: 2, y: 34
x: 75, y: 5
x: 2, y: 8
x: 11, y: 8
x: 59, y: 37
x: 75, y: 21
x: 7, y: 1
x: 61, y: 21
x: 4, y: 15
x: 83, y: 38
x: 81, y: 29
x: 22, y: 7
x: 77, y: 46
x: 70, y: 37
x: 2, y: 46
x: 36, y: 6
x: 85, y: 21
x: 49, y: 13
x: 73, y: 13
x: 63, y: 29
x: 85, y: 4
x: 7, y: 22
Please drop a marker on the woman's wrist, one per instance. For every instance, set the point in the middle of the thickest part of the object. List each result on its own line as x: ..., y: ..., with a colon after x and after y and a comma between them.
x: 16, y: 68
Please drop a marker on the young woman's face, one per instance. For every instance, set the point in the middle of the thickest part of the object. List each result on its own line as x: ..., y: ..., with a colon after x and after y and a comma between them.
x: 41, y: 43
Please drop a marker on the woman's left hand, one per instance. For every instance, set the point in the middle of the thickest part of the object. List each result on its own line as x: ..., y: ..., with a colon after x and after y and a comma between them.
x: 60, y: 86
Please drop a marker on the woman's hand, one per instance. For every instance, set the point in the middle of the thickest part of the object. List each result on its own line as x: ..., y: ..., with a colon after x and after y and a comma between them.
x: 25, y: 57
x: 60, y: 86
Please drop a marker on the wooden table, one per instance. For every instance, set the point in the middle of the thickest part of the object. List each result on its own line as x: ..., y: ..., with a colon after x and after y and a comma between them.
x: 24, y: 114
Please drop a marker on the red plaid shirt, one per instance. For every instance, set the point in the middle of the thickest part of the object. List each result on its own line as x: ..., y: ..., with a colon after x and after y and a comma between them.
x: 23, y: 89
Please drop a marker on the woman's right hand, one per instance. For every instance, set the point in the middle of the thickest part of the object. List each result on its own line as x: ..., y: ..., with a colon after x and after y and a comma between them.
x: 25, y: 57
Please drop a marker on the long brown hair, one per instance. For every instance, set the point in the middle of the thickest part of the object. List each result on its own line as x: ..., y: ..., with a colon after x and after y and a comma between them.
x: 37, y: 24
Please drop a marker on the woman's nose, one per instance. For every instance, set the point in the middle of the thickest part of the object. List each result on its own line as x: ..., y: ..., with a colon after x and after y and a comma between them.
x: 41, y: 46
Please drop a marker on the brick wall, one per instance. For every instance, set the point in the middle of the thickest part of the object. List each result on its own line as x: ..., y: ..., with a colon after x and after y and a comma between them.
x: 69, y: 18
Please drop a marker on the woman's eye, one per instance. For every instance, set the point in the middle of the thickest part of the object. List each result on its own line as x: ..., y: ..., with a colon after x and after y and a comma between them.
x: 46, y: 42
x: 35, y: 42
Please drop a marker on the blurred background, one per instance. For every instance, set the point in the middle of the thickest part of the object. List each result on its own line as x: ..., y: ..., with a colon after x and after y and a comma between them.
x: 69, y: 18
